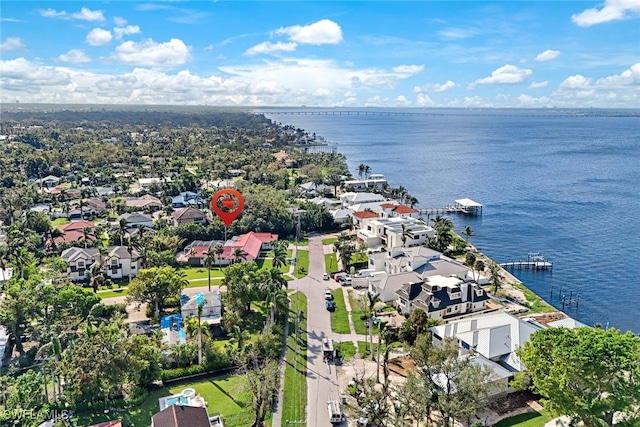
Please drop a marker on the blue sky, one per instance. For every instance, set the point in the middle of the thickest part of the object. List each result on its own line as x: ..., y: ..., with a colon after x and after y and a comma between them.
x: 292, y: 53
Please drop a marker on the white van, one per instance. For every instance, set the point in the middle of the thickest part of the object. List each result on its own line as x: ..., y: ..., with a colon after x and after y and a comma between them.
x: 335, y: 412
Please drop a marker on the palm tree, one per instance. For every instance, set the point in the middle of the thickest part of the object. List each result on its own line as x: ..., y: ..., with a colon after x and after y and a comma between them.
x: 367, y: 171
x: 467, y: 232
x: 405, y: 234
x: 238, y: 255
x: 219, y: 250
x: 370, y: 302
x: 495, y: 277
x: 210, y: 256
x: 275, y: 280
x: 361, y: 170
x: 279, y: 255
x: 479, y: 267
x: 86, y: 233
x: 122, y: 228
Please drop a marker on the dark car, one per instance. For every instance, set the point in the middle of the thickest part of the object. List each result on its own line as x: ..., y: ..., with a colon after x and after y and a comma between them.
x: 331, y: 306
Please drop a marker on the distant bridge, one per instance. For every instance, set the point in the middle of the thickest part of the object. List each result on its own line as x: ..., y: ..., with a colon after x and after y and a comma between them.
x: 330, y: 112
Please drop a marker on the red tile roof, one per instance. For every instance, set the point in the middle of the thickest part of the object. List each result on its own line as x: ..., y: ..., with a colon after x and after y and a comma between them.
x: 402, y: 209
x: 73, y: 231
x: 250, y: 243
x: 365, y: 214
x: 387, y: 205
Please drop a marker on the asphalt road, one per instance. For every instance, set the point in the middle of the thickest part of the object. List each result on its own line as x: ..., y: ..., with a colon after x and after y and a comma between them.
x: 321, y: 377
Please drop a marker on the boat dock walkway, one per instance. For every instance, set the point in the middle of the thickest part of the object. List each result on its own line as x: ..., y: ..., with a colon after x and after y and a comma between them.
x: 461, y: 206
x: 534, y: 261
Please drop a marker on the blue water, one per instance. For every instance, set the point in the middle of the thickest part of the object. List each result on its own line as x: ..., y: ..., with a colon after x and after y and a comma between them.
x: 563, y: 184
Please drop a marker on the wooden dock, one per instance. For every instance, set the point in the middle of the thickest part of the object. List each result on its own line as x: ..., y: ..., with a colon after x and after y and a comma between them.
x: 534, y: 261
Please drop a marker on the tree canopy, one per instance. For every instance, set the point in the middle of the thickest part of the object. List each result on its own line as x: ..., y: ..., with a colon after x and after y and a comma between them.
x: 588, y: 374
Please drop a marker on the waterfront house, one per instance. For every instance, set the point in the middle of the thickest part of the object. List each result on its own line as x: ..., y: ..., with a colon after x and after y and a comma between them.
x: 441, y: 297
x: 116, y: 262
x: 375, y: 182
x: 188, y: 216
x: 361, y: 218
x: 493, y: 335
x: 391, y: 210
x: 389, y: 271
x: 394, y: 232
x: 349, y: 199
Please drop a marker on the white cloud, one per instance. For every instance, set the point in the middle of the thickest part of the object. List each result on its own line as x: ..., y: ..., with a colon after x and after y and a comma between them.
x: 576, y: 82
x: 401, y: 101
x: 148, y: 53
x: 630, y: 77
x: 268, y: 47
x: 458, y: 33
x: 424, y: 100
x: 324, y: 31
x: 23, y: 76
x: 12, y: 43
x: 85, y: 14
x: 209, y: 47
x: 98, y: 37
x: 408, y: 70
x: 52, y: 13
x: 435, y: 87
x: 611, y: 10
x: 547, y: 55
x: 120, y: 22
x: 74, y: 56
x: 507, y: 74
x: 538, y: 85
x: 126, y: 30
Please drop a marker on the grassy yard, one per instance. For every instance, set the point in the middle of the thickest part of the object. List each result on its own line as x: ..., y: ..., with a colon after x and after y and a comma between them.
x: 330, y: 263
x: 530, y: 419
x: 303, y: 264
x: 347, y: 350
x: 223, y: 395
x: 356, y: 312
x: 268, y: 263
x: 363, y: 349
x: 329, y: 241
x: 339, y: 318
x: 201, y: 272
x: 295, y: 374
x: 59, y: 221
x: 536, y: 304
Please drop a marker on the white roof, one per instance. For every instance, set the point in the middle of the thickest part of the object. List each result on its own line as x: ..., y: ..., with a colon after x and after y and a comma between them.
x: 468, y: 203
x: 5, y: 276
x: 567, y: 322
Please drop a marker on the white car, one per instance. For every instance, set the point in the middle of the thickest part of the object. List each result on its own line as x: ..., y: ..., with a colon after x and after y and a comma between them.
x: 325, y: 276
x: 328, y: 295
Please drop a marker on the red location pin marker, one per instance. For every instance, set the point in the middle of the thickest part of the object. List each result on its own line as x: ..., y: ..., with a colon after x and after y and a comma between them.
x: 227, y: 204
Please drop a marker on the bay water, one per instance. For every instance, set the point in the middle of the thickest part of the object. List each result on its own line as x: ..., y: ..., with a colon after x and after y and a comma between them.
x: 563, y: 183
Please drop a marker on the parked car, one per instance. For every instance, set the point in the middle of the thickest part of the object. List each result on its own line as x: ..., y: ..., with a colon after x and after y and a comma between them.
x: 330, y: 305
x: 328, y: 295
x: 325, y: 276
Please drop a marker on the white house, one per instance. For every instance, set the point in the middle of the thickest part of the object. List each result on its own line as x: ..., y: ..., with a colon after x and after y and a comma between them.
x: 326, y: 203
x: 340, y: 216
x: 49, y: 181
x: 134, y: 219
x: 350, y: 198
x: 148, y: 182
x: 493, y: 335
x: 392, y: 210
x: 373, y: 182
x: 117, y: 262
x: 311, y: 189
x: 389, y: 232
x: 211, y: 307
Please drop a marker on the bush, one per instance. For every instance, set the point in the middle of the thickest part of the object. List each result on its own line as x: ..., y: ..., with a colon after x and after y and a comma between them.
x: 170, y: 374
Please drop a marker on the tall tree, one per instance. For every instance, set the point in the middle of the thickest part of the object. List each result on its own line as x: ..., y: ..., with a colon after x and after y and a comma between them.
x: 586, y: 373
x: 467, y: 232
x: 495, y: 277
x: 279, y: 253
x: 262, y: 380
x: 154, y: 285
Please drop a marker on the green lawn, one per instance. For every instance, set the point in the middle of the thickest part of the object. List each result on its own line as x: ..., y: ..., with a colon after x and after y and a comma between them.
x: 303, y: 264
x: 201, y: 272
x: 530, y: 419
x: 347, y: 350
x: 358, y: 258
x: 339, y: 318
x: 295, y: 375
x: 330, y: 263
x: 363, y: 349
x: 356, y: 312
x: 268, y: 263
x: 223, y: 395
x: 329, y: 241
x: 536, y: 304
x: 59, y: 221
